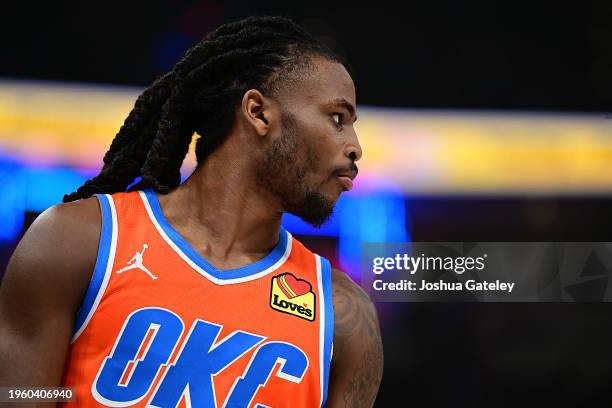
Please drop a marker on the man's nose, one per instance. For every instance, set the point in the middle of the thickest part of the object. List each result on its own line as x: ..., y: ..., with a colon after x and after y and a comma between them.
x: 352, y: 149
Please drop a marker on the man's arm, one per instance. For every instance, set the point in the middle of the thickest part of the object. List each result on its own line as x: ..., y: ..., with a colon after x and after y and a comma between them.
x: 42, y: 290
x: 357, y: 361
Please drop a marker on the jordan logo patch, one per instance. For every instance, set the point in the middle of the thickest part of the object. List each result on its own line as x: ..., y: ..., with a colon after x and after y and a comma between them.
x: 137, y: 263
x: 293, y: 296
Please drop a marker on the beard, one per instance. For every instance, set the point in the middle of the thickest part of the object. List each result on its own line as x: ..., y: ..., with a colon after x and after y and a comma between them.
x: 284, y: 173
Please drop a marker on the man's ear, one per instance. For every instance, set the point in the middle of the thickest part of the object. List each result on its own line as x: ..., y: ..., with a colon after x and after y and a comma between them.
x: 258, y: 111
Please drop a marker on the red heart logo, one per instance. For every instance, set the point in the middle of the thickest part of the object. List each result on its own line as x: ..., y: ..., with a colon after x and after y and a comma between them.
x: 291, y: 286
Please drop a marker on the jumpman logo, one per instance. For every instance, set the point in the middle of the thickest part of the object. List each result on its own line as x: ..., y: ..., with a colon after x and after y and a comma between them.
x: 136, y: 263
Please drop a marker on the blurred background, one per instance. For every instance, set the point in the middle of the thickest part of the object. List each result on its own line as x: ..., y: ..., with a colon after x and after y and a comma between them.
x: 478, y: 123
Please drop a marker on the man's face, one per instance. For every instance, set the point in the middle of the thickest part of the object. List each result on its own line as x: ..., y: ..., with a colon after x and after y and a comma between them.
x: 312, y: 161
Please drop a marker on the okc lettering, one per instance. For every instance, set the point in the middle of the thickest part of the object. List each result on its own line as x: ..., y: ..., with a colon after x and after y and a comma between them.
x: 146, y: 343
x: 292, y: 306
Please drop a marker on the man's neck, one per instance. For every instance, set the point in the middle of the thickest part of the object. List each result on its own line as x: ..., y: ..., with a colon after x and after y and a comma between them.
x: 224, y: 214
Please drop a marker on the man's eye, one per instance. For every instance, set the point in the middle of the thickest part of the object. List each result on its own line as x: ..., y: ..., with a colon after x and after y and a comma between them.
x: 340, y: 117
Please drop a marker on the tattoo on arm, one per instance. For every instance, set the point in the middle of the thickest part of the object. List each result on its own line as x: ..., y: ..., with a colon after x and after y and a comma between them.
x: 356, y: 323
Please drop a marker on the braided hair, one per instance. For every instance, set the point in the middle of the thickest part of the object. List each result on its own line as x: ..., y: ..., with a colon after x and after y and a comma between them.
x: 200, y: 94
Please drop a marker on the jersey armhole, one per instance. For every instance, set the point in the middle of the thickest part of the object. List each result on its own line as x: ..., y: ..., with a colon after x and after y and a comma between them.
x: 103, y: 267
x: 327, y: 325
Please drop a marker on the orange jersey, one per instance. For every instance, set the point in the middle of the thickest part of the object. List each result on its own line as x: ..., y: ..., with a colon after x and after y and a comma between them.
x: 160, y: 326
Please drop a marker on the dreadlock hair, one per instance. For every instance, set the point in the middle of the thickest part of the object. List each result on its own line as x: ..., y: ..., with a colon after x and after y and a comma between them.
x: 200, y: 94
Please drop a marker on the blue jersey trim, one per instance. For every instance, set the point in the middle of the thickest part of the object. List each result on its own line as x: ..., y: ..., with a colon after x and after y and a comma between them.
x: 99, y: 272
x: 222, y: 274
x: 328, y: 335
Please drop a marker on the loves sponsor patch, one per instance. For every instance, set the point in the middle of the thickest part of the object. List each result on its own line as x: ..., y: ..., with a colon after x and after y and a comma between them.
x: 293, y: 296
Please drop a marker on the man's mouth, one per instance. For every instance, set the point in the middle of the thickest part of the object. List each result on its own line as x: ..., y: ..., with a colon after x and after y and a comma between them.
x: 346, y: 181
x: 346, y: 177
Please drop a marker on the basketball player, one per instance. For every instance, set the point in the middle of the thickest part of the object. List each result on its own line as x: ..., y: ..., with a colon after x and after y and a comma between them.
x: 198, y: 296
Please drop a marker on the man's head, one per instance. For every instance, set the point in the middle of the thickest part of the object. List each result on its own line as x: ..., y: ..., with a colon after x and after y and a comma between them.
x: 268, y: 76
x: 309, y: 145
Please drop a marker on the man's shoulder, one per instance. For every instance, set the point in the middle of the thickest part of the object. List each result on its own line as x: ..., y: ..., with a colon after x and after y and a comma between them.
x: 62, y: 243
x: 78, y: 212
x: 73, y: 222
x: 343, y: 285
x: 353, y: 309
